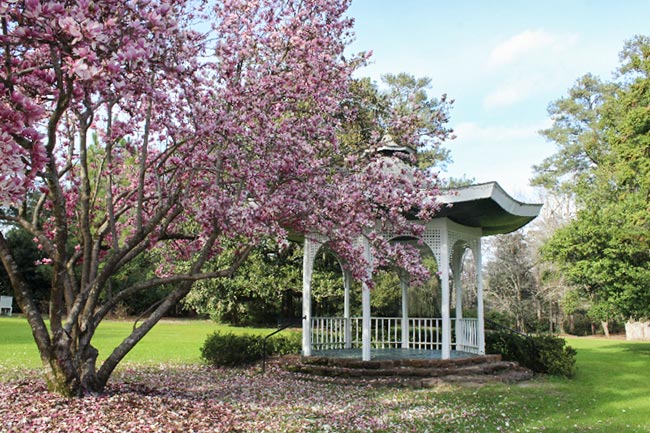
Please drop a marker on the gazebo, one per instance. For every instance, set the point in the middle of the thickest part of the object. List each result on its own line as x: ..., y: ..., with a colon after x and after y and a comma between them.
x: 472, y: 212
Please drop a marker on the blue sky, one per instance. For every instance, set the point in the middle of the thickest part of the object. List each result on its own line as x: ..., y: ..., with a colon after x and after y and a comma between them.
x: 502, y: 62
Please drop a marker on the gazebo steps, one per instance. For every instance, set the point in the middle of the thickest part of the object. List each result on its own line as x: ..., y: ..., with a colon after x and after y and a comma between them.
x: 412, y: 372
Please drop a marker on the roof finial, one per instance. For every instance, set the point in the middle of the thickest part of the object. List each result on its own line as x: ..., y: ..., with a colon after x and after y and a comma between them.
x: 389, y: 146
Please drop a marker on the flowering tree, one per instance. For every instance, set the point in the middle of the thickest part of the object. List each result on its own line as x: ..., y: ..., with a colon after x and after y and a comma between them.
x: 126, y: 130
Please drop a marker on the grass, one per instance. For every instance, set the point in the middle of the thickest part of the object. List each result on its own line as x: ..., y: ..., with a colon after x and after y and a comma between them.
x: 170, y: 341
x: 610, y: 393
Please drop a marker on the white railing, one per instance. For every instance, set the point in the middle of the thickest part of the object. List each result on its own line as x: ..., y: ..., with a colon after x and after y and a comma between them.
x: 327, y: 333
x: 386, y: 333
x: 425, y: 333
x: 467, y: 335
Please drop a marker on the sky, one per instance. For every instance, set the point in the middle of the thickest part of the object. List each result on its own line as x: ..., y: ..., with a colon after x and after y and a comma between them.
x: 503, y: 63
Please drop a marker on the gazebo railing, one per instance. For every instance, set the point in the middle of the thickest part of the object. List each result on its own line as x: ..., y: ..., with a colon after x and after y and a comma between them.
x: 327, y: 333
x: 425, y: 333
x: 466, y: 332
x: 386, y: 332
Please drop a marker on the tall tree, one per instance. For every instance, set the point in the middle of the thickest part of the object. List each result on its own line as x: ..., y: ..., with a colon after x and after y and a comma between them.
x: 606, y: 249
x: 552, y: 285
x: 207, y: 141
x: 578, y: 134
x: 511, y: 284
x: 401, y: 107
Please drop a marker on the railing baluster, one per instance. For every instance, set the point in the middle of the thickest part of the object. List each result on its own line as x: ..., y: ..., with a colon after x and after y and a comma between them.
x: 422, y: 333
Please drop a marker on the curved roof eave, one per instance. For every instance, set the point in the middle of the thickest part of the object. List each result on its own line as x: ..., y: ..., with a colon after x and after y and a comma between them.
x: 487, y: 206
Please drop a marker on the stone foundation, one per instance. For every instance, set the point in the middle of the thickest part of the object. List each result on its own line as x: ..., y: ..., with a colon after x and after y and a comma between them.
x: 410, y: 372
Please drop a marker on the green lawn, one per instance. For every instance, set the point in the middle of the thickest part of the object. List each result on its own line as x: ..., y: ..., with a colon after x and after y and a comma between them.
x: 171, y: 341
x: 610, y: 393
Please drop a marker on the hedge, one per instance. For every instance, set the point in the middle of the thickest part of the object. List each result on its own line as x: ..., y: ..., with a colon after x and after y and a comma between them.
x: 230, y: 350
x: 543, y: 353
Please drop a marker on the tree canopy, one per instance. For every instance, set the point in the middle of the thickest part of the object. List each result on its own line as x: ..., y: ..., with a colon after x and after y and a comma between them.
x: 603, y: 135
x: 187, y: 131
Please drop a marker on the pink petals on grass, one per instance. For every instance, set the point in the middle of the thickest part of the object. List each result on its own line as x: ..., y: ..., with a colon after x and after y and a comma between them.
x: 202, y: 399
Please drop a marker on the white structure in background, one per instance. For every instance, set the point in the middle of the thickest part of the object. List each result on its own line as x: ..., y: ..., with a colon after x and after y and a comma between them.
x: 473, y: 212
x: 6, y: 305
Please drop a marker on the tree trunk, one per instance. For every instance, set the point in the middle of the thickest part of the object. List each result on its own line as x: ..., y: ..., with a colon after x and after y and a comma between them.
x: 605, y: 325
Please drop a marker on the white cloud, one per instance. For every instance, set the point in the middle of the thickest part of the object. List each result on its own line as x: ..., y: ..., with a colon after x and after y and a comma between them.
x: 528, y: 64
x: 523, y: 43
x: 472, y: 132
x: 502, y: 153
x: 511, y: 92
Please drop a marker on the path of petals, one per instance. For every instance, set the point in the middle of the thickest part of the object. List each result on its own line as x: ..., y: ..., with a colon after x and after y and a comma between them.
x: 202, y: 399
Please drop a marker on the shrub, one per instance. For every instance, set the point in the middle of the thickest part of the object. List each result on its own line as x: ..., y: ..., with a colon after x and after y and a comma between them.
x: 546, y: 354
x: 284, y: 344
x: 230, y: 350
x: 553, y: 355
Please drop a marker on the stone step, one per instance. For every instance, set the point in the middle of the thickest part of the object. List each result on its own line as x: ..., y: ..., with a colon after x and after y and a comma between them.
x: 396, y: 363
x: 328, y: 370
x: 492, y: 369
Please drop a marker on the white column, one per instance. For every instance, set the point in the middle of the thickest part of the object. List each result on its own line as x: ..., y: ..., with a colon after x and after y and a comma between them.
x: 405, y: 312
x: 444, y: 284
x: 307, y: 268
x: 458, y: 285
x: 347, y: 279
x: 456, y: 270
x: 365, y: 335
x: 479, y: 300
x: 365, y: 306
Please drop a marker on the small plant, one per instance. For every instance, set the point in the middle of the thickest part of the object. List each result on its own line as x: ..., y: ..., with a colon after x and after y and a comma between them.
x: 546, y: 354
x: 230, y: 350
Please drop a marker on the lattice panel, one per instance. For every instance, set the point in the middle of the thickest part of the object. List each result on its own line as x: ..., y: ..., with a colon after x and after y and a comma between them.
x: 433, y: 238
x: 313, y: 243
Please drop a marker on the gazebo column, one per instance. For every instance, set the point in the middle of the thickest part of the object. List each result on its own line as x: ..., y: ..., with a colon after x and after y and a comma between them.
x: 479, y: 300
x: 307, y: 269
x: 458, y: 287
x: 347, y: 337
x: 405, y: 312
x: 365, y: 306
x: 444, y: 283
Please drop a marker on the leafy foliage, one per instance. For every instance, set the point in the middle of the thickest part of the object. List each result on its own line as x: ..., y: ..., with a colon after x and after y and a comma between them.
x: 233, y: 350
x: 27, y: 257
x: 264, y: 289
x: 546, y: 354
x: 399, y: 96
x: 605, y: 143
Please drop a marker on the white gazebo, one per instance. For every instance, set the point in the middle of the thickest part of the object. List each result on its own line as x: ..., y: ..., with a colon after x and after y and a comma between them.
x: 471, y: 213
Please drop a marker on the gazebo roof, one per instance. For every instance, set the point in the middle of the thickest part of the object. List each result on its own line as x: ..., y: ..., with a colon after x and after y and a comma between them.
x: 487, y: 206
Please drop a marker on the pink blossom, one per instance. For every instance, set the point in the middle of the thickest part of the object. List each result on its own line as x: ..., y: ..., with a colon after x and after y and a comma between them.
x: 137, y: 134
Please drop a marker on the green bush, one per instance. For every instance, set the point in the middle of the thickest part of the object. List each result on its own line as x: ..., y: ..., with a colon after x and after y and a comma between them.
x: 546, y: 354
x: 230, y: 350
x: 553, y: 355
x: 287, y: 344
